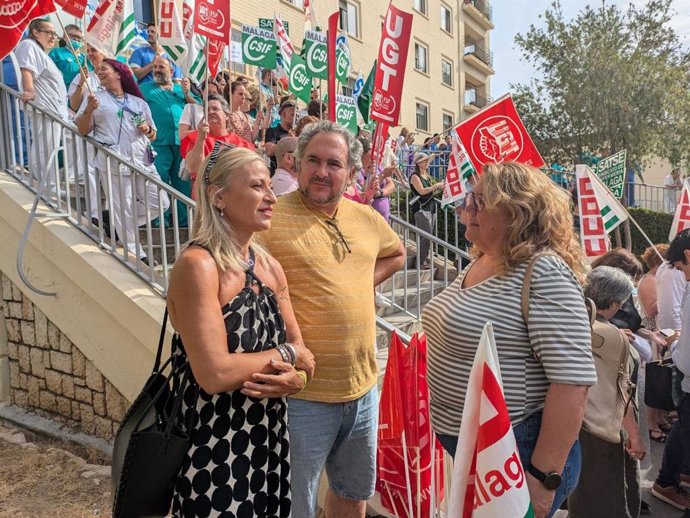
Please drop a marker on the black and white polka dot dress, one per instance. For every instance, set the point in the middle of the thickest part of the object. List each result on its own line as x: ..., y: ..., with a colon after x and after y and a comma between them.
x: 238, y: 462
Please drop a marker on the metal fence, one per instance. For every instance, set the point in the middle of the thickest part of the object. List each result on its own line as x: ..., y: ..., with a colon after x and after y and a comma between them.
x: 118, y: 206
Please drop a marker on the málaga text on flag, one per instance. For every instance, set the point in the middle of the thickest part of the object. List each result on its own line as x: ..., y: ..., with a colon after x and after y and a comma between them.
x: 112, y: 28
x: 488, y: 476
x: 195, y: 63
x: 258, y: 47
x: 392, y: 58
x: 346, y: 112
x: 459, y: 171
x: 14, y: 19
x: 611, y: 171
x: 315, y: 53
x: 681, y: 219
x: 495, y: 134
x: 212, y: 19
x: 170, y: 31
x: 74, y: 7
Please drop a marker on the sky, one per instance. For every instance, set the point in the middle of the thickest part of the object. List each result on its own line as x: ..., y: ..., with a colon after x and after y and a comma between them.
x: 512, y: 17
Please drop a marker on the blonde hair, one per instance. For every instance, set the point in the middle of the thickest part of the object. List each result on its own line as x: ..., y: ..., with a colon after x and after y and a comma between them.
x: 211, y: 230
x: 539, y: 215
x: 651, y: 258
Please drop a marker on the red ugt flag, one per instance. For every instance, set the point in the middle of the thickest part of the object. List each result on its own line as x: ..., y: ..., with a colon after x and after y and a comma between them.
x: 74, y: 7
x: 212, y: 19
x: 395, y: 40
x: 496, y: 134
x: 15, y: 17
x: 681, y: 218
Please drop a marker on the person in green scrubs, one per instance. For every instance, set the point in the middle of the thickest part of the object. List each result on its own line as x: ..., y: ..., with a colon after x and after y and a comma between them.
x: 167, y: 100
x: 63, y: 57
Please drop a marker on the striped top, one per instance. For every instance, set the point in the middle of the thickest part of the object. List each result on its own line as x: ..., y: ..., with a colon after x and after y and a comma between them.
x: 332, y: 290
x: 555, y: 348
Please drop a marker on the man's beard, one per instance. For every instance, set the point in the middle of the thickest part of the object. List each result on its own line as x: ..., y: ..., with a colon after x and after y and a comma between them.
x: 161, y: 79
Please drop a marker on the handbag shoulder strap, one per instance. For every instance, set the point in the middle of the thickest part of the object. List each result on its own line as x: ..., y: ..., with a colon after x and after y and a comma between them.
x: 159, y: 353
x: 527, y: 283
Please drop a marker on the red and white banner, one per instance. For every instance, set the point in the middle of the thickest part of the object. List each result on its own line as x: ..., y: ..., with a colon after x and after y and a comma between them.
x: 593, y: 236
x: 395, y: 40
x: 212, y: 19
x: 310, y: 21
x: 409, y: 459
x: 15, y: 17
x: 496, y: 134
x: 378, y: 144
x: 170, y: 31
x: 681, y: 219
x: 215, y: 53
x: 74, y: 7
x: 332, y: 90
x: 488, y: 476
x: 458, y: 171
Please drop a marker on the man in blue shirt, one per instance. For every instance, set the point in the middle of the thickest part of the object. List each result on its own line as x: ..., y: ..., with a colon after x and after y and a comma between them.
x: 141, y: 61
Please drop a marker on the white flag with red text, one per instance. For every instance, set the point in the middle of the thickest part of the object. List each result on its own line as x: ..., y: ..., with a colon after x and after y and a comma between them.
x: 285, y: 47
x: 681, y: 219
x: 170, y: 31
x: 488, y: 477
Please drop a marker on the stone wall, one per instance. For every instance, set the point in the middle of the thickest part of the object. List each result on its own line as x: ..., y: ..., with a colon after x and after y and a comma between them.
x: 49, y: 374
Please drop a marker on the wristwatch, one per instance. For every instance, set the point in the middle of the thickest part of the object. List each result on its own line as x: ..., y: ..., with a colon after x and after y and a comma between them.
x: 551, y: 480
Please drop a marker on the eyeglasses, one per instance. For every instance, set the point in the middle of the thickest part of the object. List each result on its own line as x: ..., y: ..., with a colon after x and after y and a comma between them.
x: 52, y: 34
x: 218, y: 147
x: 474, y: 203
x: 333, y: 223
x: 75, y: 37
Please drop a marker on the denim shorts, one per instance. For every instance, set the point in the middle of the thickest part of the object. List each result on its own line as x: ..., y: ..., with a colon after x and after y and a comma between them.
x: 526, y: 435
x: 340, y: 437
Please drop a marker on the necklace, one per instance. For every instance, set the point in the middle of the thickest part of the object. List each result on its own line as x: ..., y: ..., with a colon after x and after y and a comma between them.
x: 122, y: 104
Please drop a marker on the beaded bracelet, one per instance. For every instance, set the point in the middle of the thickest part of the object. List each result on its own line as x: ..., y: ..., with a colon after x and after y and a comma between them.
x: 287, y: 353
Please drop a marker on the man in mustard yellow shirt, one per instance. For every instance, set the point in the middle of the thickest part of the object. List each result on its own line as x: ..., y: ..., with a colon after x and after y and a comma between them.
x: 334, y: 252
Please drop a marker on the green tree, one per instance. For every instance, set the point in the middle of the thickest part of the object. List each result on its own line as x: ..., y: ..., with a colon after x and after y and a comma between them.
x: 609, y: 79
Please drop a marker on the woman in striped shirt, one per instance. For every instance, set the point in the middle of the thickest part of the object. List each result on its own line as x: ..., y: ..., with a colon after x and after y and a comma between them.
x: 546, y: 363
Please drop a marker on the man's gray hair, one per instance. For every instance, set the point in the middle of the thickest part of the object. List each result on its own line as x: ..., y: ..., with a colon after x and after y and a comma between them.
x: 607, y: 285
x: 354, y: 154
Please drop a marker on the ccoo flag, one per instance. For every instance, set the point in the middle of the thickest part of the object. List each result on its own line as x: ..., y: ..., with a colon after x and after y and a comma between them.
x: 612, y: 212
x: 112, y: 28
x: 488, y: 477
x: 170, y: 32
x: 195, y: 63
x: 285, y: 46
x: 681, y: 219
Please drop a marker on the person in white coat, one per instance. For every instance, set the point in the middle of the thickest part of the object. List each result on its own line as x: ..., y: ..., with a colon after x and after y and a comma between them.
x: 120, y: 119
x: 44, y: 86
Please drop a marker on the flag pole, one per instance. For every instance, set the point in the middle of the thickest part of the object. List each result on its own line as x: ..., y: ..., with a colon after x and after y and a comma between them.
x: 407, y: 473
x: 74, y: 52
x: 206, y: 89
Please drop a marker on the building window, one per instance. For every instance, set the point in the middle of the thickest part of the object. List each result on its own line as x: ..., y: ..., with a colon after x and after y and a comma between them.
x: 349, y: 16
x: 446, y: 19
x: 297, y: 3
x: 236, y: 49
x: 446, y: 72
x: 420, y: 61
x: 420, y: 5
x: 422, y: 112
x: 447, y: 121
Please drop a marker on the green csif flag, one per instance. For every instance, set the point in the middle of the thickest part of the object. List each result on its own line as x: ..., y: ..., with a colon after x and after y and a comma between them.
x: 342, y: 64
x: 258, y: 47
x: 299, y: 79
x: 364, y: 99
x: 315, y: 53
x: 346, y: 112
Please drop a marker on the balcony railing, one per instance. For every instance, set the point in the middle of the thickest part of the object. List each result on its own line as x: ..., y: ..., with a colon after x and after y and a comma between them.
x: 475, y: 99
x: 481, y: 52
x: 483, y: 6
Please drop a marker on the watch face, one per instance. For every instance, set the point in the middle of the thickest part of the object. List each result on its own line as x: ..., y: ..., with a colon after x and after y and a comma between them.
x: 552, y: 481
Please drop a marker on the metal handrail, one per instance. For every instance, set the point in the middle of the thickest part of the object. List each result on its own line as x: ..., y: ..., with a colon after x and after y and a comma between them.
x: 481, y: 52
x: 484, y: 7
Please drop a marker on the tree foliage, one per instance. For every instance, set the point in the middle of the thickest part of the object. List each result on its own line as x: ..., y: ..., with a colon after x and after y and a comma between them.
x: 609, y: 79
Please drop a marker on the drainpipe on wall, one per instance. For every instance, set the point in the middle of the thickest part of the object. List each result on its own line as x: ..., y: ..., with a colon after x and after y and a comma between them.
x: 4, y: 361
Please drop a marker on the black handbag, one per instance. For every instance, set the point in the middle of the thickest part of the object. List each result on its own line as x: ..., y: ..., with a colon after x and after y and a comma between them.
x: 661, y: 385
x: 152, y: 441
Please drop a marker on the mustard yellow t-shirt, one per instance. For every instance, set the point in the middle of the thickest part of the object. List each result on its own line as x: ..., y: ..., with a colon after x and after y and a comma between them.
x: 332, y: 291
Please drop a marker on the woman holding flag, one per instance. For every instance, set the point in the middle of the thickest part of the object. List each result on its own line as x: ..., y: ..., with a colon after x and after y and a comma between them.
x: 516, y: 217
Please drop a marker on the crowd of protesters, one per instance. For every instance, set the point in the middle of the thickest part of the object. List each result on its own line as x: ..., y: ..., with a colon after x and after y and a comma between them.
x: 283, y: 200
